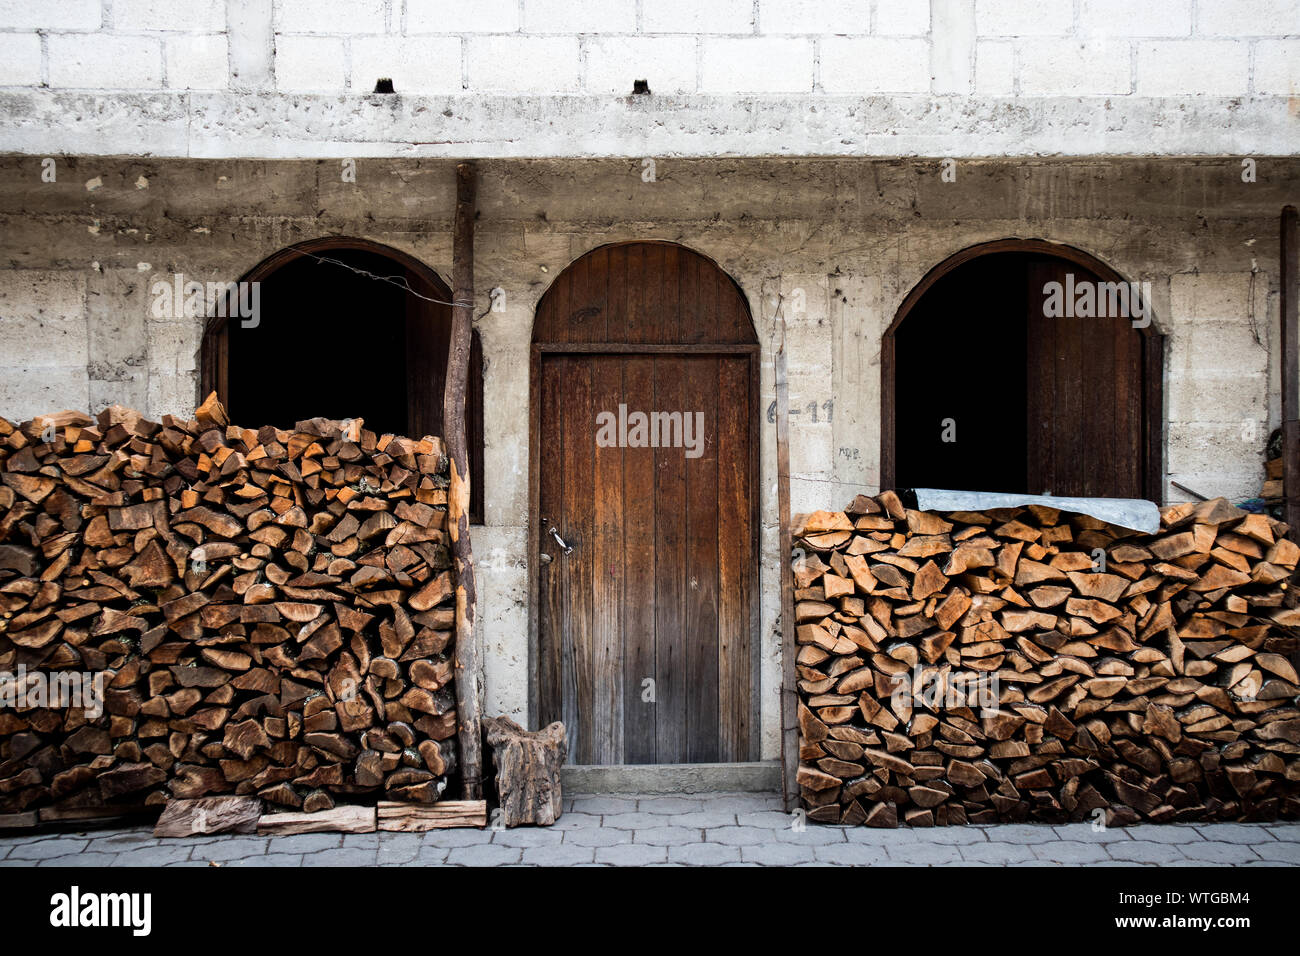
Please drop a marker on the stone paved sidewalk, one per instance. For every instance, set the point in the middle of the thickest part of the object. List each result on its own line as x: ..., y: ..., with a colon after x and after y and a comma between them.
x: 735, y: 829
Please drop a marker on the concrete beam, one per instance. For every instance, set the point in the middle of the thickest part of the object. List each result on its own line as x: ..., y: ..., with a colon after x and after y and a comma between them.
x: 233, y: 125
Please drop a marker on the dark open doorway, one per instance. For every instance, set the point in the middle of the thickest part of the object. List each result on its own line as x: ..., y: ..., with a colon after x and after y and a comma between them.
x: 985, y: 391
x: 330, y: 339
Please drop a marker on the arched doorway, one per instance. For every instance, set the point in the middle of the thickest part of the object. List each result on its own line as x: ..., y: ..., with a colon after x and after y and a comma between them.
x: 644, y: 463
x: 346, y: 328
x: 1024, y: 366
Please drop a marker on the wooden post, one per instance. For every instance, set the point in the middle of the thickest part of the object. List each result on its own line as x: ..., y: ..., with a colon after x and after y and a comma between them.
x: 789, y: 725
x: 1290, y: 322
x: 468, y: 717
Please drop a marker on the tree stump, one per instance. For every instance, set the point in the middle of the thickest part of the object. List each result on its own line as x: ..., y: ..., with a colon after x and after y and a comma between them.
x: 527, y: 770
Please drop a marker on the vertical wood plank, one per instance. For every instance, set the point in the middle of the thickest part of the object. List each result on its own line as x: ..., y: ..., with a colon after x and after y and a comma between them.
x: 550, y: 574
x: 576, y: 531
x: 639, y: 571
x: 701, y: 402
x: 607, y: 570
x: 670, y: 575
x: 734, y: 558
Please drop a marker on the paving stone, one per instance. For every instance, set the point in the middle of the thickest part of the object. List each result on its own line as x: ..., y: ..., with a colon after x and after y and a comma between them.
x: 432, y: 855
x: 921, y: 854
x: 80, y: 859
x: 1237, y: 832
x: 342, y: 856
x: 669, y: 804
x: 771, y: 819
x: 113, y: 842
x: 559, y: 855
x: 883, y: 836
x: 271, y: 859
x: 599, y: 836
x: 576, y: 821
x: 666, y: 836
x: 1071, y: 851
x: 365, y: 841
x: 602, y: 805
x: 852, y: 854
x: 738, y: 836
x: 811, y: 835
x: 1022, y: 833
x: 1280, y: 852
x: 629, y: 854
x: 703, y: 854
x: 232, y: 849
x: 489, y: 854
x: 1284, y: 831
x: 634, y: 820
x: 397, y: 848
x: 702, y: 819
x: 1144, y: 851
x: 46, y: 849
x: 306, y: 842
x: 153, y: 855
x: 744, y: 802
x: 989, y: 852
x: 780, y: 854
x: 961, y: 836
x: 527, y: 837
x: 1216, y: 852
x: 457, y: 837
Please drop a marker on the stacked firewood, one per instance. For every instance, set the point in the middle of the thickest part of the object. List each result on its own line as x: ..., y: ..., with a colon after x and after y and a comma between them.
x: 271, y: 611
x: 1029, y: 664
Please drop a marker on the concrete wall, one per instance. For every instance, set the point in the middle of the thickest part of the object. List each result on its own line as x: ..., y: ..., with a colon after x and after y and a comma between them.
x: 553, y: 77
x: 80, y: 253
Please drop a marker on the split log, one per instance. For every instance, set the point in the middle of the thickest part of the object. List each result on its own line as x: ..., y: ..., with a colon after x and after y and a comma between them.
x: 345, y: 819
x: 408, y: 818
x: 527, y: 770
x: 182, y: 818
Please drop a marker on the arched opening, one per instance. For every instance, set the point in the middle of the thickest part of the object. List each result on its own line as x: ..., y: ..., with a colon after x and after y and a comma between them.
x: 644, y: 484
x: 345, y: 328
x: 1024, y: 366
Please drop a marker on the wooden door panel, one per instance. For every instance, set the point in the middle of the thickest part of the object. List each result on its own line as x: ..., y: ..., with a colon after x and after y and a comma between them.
x: 645, y: 628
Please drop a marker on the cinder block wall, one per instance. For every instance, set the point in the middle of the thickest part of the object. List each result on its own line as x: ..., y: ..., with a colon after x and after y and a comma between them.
x: 552, y: 77
x: 79, y: 256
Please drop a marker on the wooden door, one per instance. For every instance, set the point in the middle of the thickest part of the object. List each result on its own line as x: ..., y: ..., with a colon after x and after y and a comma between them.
x: 645, y: 528
x: 1085, y: 393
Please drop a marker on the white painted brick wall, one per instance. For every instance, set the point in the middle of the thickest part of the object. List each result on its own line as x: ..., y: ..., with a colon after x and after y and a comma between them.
x: 1241, y: 18
x: 814, y: 16
x: 1070, y: 68
x: 902, y: 18
x: 579, y: 16
x: 857, y: 64
x: 613, y: 63
x: 758, y: 65
x: 197, y: 62
x: 199, y: 16
x: 1277, y: 67
x: 694, y: 16
x: 1151, y: 18
x: 994, y: 68
x: 457, y: 16
x: 414, y: 64
x: 1170, y: 49
x: 347, y: 17
x: 63, y: 15
x: 1023, y: 18
x: 522, y: 64
x: 20, y: 59
x: 305, y: 63
x: 96, y: 61
x: 1179, y: 67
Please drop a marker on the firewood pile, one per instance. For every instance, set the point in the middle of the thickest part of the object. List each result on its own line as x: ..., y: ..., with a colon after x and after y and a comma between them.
x: 1029, y: 664
x: 271, y: 611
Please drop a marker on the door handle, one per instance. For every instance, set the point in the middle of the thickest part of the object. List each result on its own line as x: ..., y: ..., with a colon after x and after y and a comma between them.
x: 565, y: 547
